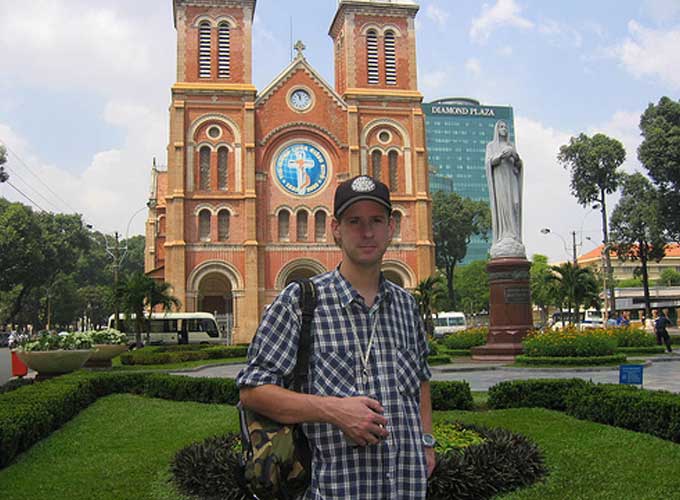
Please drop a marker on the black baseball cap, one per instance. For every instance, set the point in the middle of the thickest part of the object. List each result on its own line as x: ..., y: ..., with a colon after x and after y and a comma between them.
x: 361, y: 187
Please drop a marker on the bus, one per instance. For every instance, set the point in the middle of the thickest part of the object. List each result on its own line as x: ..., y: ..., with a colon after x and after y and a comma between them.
x: 588, y: 318
x: 173, y: 328
x: 448, y: 322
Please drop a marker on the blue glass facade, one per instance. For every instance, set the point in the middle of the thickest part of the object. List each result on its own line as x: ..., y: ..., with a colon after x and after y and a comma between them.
x: 457, y: 131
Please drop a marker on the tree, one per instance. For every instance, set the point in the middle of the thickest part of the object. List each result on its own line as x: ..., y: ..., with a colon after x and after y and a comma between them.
x: 594, y: 164
x: 472, y: 286
x: 659, y: 153
x: 542, y: 285
x: 636, y: 228
x: 134, y: 257
x: 578, y: 285
x: 139, y: 293
x: 669, y: 277
x: 426, y: 294
x: 455, y: 220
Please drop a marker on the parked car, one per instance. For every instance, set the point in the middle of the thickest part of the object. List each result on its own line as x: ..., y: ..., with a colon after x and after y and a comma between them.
x: 448, y: 322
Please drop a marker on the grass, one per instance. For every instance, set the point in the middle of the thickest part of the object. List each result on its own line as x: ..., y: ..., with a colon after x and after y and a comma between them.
x: 119, y: 448
x: 588, y: 461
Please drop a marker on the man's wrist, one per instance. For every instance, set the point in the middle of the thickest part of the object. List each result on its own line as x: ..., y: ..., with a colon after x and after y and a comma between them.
x: 428, y: 440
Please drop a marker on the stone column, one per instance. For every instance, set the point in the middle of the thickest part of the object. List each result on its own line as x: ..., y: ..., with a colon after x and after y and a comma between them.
x: 510, y: 317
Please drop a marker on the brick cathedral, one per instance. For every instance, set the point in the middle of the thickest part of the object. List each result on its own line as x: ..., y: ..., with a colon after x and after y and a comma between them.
x: 246, y: 202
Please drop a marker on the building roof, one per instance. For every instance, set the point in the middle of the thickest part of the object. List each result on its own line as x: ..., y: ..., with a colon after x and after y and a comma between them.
x: 672, y: 251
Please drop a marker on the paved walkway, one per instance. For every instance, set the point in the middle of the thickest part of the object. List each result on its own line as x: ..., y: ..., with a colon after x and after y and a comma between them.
x: 661, y: 372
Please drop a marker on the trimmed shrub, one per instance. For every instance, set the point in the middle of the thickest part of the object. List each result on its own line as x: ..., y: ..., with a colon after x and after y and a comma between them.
x: 15, y: 383
x: 504, y: 462
x: 652, y: 412
x: 451, y: 395
x: 631, y: 337
x: 539, y: 393
x: 466, y: 339
x: 569, y: 342
x: 162, y: 355
x: 440, y: 359
x: 571, y: 360
x: 655, y: 349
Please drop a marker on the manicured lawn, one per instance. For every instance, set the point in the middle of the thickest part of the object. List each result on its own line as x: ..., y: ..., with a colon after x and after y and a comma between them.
x: 588, y: 461
x: 120, y: 448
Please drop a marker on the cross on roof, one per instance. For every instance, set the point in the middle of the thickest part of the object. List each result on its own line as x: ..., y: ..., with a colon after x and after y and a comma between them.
x: 299, y: 46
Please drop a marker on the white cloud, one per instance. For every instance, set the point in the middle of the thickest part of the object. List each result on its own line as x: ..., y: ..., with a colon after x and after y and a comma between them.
x: 649, y: 52
x: 473, y: 66
x: 437, y: 15
x: 503, y: 13
x: 623, y: 126
x: 662, y: 10
x: 560, y: 34
x: 433, y: 82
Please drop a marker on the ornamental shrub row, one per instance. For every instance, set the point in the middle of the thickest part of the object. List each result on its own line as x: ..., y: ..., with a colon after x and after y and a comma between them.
x: 162, y: 355
x: 652, y: 412
x: 569, y: 342
x: 466, y: 339
x: 572, y: 360
x: 30, y: 413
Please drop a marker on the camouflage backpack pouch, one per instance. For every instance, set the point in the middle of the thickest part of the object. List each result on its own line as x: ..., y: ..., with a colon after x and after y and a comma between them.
x: 276, y: 458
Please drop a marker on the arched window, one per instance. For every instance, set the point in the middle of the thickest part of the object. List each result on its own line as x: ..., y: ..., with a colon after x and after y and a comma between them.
x: 222, y: 156
x: 302, y: 225
x: 320, y: 226
x: 376, y: 163
x: 390, y: 59
x: 392, y: 157
x: 223, y: 225
x: 284, y: 225
x: 204, y: 50
x: 204, y: 168
x: 397, y: 225
x: 204, y: 225
x: 372, y: 57
x: 224, y: 55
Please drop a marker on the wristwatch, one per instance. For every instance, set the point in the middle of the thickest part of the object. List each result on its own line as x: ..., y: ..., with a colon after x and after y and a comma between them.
x: 428, y: 440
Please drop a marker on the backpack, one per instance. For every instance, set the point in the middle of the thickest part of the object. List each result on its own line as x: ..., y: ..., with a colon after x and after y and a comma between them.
x: 276, y: 458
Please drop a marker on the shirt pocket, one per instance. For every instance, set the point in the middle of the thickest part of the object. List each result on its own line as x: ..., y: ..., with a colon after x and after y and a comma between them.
x: 407, y: 370
x: 334, y: 374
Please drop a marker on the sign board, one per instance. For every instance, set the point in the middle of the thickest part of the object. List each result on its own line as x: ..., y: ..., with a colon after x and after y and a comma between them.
x: 630, y: 374
x: 517, y: 295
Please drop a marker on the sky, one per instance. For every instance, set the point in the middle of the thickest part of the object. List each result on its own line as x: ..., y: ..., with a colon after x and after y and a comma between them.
x: 85, y: 91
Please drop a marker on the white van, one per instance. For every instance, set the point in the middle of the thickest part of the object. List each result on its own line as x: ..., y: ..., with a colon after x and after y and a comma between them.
x: 174, y: 328
x: 448, y: 322
x: 589, y: 318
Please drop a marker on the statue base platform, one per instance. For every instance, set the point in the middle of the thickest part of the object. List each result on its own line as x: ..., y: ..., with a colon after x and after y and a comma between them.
x: 510, y: 317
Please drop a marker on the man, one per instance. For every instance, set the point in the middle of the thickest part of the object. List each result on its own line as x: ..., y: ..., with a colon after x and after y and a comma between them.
x: 661, y: 329
x: 367, y: 409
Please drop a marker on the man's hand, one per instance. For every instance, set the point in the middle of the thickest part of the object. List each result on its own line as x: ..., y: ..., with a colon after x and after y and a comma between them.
x: 360, y: 419
x: 431, y: 460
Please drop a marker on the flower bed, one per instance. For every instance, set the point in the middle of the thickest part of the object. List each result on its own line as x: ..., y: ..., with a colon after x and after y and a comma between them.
x: 466, y: 339
x: 569, y: 342
x: 613, y: 359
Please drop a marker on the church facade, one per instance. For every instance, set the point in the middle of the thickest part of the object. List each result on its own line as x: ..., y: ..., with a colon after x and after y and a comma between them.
x: 245, y: 204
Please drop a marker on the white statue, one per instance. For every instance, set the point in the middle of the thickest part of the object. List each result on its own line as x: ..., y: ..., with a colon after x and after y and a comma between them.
x: 504, y: 174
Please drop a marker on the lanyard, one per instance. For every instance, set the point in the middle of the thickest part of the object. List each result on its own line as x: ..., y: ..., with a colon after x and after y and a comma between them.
x: 363, y: 357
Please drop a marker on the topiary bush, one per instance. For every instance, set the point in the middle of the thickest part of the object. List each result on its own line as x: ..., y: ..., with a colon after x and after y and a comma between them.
x: 569, y: 342
x: 451, y: 395
x: 502, y: 462
x: 162, y: 355
x: 539, y: 393
x: 466, y: 339
x: 440, y: 359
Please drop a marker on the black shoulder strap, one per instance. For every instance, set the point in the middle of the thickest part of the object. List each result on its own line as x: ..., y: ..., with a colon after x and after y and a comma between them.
x: 307, y: 305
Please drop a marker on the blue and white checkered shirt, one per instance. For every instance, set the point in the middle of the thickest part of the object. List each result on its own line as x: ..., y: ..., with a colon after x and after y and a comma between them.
x: 396, y: 467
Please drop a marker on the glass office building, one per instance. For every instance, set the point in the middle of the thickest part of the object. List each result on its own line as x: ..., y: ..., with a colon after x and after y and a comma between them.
x: 457, y: 131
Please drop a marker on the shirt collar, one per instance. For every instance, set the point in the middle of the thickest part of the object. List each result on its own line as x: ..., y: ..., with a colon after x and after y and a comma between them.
x: 347, y: 294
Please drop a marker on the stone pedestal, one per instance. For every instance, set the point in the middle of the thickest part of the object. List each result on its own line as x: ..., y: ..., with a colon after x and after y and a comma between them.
x: 510, y: 315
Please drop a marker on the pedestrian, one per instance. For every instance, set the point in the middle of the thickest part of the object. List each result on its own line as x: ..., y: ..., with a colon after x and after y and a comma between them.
x: 648, y: 324
x: 366, y: 410
x: 661, y: 329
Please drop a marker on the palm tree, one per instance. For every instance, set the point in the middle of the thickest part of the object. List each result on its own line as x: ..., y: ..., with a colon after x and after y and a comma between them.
x: 139, y: 293
x: 427, y: 293
x: 578, y: 286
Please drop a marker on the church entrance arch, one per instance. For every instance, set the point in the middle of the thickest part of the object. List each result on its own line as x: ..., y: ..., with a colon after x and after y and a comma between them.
x: 297, y: 269
x: 399, y: 273
x: 215, y: 287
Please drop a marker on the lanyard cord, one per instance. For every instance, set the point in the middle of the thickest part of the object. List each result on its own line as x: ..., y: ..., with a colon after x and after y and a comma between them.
x: 363, y: 357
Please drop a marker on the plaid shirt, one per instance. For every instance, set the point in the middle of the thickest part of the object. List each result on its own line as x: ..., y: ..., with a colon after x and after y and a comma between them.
x: 395, y: 468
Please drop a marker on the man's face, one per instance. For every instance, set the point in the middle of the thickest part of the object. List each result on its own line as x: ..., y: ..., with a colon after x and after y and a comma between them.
x: 363, y: 233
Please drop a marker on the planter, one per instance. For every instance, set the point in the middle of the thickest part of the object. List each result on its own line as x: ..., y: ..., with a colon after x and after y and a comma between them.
x: 51, y: 363
x: 103, y: 354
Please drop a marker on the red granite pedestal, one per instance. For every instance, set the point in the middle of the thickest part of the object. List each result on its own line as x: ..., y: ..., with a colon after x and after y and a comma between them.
x: 510, y: 317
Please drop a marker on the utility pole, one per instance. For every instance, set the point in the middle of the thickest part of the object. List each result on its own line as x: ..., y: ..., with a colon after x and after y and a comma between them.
x: 573, y: 246
x: 116, y: 265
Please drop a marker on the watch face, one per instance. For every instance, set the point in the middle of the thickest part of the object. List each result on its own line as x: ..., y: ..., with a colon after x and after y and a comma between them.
x: 429, y: 441
x: 300, y: 99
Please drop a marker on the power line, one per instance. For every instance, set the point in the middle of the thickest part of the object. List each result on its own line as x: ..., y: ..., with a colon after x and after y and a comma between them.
x: 25, y: 196
x: 39, y: 179
x: 14, y: 174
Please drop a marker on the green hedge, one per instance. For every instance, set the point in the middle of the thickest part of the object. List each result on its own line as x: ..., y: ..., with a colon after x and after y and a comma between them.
x: 571, y: 360
x: 652, y: 412
x: 162, y: 355
x: 539, y: 393
x: 569, y: 342
x: 31, y: 413
x: 632, y: 337
x: 655, y: 349
x: 439, y: 359
x: 466, y: 339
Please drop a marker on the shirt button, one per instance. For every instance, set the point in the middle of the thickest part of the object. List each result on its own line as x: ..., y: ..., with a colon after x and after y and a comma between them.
x: 401, y: 388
